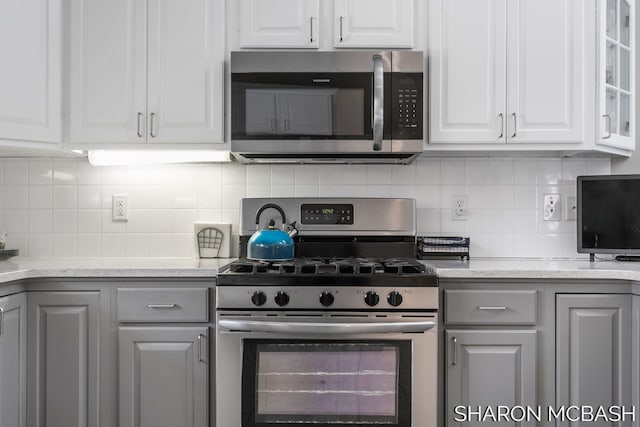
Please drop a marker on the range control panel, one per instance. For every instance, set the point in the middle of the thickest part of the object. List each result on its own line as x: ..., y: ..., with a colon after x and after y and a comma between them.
x: 329, y: 214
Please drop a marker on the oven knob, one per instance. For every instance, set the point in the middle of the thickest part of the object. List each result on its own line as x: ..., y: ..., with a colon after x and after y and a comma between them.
x: 258, y: 298
x: 282, y: 298
x: 394, y: 298
x: 371, y: 298
x: 326, y: 298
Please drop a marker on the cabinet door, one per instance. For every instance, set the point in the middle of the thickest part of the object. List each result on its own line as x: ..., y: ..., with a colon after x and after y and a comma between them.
x: 546, y: 71
x: 489, y: 368
x: 63, y: 359
x: 163, y: 376
x: 616, y: 73
x: 13, y: 360
x: 186, y: 69
x: 593, y: 350
x: 31, y: 49
x: 373, y: 23
x: 108, y: 71
x: 279, y: 23
x: 468, y: 71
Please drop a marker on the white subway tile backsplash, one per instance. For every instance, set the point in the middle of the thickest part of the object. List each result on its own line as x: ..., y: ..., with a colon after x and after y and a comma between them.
x: 549, y: 171
x: 16, y: 172
x: 525, y: 171
x: 65, y: 197
x: 89, y: 220
x: 113, y: 245
x: 40, y: 221
x: 403, y: 174
x: 65, y: 221
x: 452, y: 171
x: 16, y: 197
x: 89, y: 196
x: 378, y: 174
x: 476, y: 171
x: 65, y: 245
x: 65, y: 172
x: 89, y: 245
x: 45, y: 200
x: 40, y: 197
x: 306, y: 175
x: 160, y: 245
x: 40, y: 245
x: 40, y: 172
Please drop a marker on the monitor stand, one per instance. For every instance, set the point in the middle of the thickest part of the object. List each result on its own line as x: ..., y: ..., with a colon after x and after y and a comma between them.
x: 628, y: 258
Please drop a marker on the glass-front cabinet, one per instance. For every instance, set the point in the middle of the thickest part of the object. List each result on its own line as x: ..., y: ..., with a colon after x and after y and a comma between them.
x: 616, y: 75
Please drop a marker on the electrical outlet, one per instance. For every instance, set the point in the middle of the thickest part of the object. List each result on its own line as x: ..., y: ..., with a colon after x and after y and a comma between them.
x: 552, y: 207
x: 120, y: 207
x: 459, y: 207
x: 571, y: 211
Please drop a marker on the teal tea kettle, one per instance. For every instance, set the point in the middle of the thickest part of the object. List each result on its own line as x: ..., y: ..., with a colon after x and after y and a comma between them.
x: 272, y: 244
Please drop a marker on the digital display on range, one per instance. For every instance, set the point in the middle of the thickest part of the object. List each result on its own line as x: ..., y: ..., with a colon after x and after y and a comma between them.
x: 326, y: 214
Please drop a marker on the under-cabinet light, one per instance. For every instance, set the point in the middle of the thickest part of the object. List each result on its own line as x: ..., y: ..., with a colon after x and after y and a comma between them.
x: 152, y: 157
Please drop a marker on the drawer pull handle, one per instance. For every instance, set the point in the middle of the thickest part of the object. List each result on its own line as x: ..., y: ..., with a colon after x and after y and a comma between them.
x: 165, y: 306
x: 491, y: 308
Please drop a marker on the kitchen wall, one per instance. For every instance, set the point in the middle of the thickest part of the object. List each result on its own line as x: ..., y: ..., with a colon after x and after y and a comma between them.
x: 59, y: 207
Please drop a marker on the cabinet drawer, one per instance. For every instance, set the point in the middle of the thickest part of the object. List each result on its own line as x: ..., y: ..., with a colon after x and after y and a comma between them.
x: 484, y: 307
x: 162, y: 305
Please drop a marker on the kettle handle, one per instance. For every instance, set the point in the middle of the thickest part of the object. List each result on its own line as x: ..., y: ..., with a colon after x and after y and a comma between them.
x: 267, y: 206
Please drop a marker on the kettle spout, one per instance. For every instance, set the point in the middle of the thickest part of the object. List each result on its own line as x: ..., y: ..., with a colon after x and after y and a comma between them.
x: 291, y: 229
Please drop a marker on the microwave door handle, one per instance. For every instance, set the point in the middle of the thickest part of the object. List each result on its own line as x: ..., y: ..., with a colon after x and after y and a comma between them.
x: 324, y: 328
x: 378, y: 102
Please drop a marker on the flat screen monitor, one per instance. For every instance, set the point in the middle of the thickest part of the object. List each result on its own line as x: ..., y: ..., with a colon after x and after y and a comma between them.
x: 609, y: 214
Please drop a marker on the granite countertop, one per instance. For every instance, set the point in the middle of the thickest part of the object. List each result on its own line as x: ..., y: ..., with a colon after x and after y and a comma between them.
x: 25, y: 268
x: 536, y: 269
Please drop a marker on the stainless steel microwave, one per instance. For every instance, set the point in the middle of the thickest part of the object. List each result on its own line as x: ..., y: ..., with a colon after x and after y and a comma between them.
x: 327, y: 107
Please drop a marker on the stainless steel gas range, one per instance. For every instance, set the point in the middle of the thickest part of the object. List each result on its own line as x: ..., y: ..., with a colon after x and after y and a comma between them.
x: 344, y: 334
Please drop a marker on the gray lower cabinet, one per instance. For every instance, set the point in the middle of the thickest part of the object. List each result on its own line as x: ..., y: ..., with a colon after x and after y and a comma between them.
x: 63, y: 359
x: 593, y: 351
x: 489, y: 368
x: 163, y: 376
x: 13, y: 360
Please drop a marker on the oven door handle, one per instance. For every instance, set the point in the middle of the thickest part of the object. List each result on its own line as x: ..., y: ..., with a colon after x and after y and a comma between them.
x: 324, y: 328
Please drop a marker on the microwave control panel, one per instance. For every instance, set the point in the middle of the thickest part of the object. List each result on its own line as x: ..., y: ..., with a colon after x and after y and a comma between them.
x: 407, y: 105
x: 329, y: 214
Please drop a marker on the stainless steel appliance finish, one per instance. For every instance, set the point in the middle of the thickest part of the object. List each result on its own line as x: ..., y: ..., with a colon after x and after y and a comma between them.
x: 327, y: 341
x: 370, y: 216
x: 327, y: 107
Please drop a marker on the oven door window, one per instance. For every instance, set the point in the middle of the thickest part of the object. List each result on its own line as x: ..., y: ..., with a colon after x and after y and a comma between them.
x: 325, y: 383
x: 301, y: 106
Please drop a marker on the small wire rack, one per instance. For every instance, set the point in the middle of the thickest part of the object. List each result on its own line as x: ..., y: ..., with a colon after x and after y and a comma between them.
x: 209, y: 242
x: 443, y: 247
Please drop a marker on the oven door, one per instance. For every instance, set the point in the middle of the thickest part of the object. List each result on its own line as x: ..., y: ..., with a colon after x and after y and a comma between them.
x: 326, y: 370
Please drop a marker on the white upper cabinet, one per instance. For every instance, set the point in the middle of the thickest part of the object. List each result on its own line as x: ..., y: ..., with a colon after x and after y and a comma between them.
x: 107, y: 74
x: 185, y: 71
x: 468, y: 70
x: 373, y: 23
x: 146, y: 71
x: 279, y: 23
x: 30, y: 70
x: 546, y: 76
x: 507, y: 71
x: 616, y: 71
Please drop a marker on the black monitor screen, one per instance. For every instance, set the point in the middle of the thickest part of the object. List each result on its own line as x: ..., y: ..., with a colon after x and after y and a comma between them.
x: 609, y: 214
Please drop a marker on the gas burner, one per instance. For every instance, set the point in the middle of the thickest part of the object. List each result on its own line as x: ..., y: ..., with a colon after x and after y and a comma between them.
x: 330, y: 266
